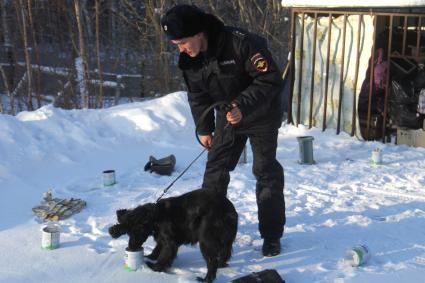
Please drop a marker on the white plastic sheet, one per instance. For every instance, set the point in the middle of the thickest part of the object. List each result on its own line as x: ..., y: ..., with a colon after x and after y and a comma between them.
x: 350, y: 55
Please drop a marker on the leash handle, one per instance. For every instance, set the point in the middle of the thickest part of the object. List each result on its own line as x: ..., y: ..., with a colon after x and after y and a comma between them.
x: 224, y: 105
x: 181, y: 174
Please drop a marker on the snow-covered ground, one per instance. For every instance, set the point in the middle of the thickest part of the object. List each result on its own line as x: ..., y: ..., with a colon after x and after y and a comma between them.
x: 341, y: 201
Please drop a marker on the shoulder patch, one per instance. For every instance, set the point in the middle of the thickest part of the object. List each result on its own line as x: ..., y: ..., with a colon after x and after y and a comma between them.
x: 259, y: 62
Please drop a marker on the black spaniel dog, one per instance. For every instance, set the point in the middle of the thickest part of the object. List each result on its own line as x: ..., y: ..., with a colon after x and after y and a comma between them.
x: 198, y: 216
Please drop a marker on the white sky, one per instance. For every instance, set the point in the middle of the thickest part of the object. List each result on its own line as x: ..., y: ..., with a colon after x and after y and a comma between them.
x: 341, y: 201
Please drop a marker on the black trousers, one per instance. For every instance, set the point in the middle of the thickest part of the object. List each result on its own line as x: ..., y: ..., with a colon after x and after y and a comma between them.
x: 223, y: 157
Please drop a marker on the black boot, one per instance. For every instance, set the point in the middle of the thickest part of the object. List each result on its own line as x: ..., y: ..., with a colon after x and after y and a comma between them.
x: 271, y: 247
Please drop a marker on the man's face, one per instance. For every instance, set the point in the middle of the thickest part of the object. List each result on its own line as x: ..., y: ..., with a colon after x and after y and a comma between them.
x: 192, y: 46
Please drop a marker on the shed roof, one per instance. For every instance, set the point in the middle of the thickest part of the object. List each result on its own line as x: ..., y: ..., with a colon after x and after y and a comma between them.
x: 353, y: 4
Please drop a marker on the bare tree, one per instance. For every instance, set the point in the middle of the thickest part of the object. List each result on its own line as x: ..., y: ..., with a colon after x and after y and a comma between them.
x: 83, y: 56
x: 7, y: 80
x: 27, y: 54
x: 99, y: 99
x: 36, y: 50
x: 153, y: 9
x: 122, y: 38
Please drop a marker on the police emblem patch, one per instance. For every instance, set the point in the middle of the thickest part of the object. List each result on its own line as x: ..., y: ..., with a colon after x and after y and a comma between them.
x: 259, y: 62
x: 165, y: 27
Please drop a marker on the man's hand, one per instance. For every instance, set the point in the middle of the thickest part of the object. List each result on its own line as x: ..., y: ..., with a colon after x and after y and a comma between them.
x: 206, y: 141
x: 234, y: 116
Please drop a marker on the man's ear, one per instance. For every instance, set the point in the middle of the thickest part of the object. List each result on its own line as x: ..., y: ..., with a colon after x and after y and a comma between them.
x: 202, y: 36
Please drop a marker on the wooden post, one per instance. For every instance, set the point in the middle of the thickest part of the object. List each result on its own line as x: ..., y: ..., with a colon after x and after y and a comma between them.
x: 118, y: 90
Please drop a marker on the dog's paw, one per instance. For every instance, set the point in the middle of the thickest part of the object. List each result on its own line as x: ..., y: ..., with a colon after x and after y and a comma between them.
x: 150, y: 264
x: 154, y: 266
x: 206, y: 279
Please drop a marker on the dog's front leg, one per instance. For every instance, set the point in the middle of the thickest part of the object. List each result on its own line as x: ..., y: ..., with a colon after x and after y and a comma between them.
x: 165, y: 259
x: 134, y: 242
x: 156, y: 251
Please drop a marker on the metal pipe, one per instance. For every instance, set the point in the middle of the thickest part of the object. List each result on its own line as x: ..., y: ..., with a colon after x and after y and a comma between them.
x: 327, y: 71
x: 371, y: 81
x: 300, y: 71
x: 341, y: 78
x: 292, y: 69
x: 418, y: 36
x: 389, y: 50
x: 356, y: 76
x: 313, y: 69
x: 403, y: 48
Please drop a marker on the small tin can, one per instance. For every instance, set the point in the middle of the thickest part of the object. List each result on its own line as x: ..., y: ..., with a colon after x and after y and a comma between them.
x: 357, y: 255
x: 50, y: 237
x: 133, y: 259
x: 376, y: 156
x: 109, y: 178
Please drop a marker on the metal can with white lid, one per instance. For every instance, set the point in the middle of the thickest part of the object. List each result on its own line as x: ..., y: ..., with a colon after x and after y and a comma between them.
x: 357, y: 255
x: 133, y: 259
x: 50, y: 237
x: 109, y: 178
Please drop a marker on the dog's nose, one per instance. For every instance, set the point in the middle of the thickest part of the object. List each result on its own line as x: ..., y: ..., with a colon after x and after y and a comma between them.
x: 116, y: 231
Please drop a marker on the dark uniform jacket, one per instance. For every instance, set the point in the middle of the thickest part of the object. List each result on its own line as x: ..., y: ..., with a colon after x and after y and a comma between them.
x: 238, y: 68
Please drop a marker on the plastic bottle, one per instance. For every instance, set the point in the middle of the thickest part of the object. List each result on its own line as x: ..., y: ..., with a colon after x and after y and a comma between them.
x: 377, y: 156
x: 357, y: 255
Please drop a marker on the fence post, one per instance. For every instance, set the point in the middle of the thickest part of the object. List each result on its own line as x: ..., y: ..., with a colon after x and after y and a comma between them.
x: 118, y: 90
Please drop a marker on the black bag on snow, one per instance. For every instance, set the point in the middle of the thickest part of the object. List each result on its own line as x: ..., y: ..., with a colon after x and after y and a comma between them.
x: 163, y: 166
x: 265, y: 276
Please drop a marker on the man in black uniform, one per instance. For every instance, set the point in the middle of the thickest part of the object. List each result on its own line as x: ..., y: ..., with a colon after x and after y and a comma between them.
x: 222, y: 63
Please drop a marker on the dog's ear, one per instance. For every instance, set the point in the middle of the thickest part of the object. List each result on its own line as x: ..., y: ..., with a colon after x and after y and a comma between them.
x: 141, y: 214
x: 117, y: 230
x: 120, y: 215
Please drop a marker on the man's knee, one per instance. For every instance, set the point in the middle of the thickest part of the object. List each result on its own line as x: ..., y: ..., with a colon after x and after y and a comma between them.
x: 264, y: 195
x: 270, y: 171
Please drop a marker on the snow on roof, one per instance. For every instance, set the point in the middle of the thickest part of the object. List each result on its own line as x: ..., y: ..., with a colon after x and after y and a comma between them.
x: 353, y: 4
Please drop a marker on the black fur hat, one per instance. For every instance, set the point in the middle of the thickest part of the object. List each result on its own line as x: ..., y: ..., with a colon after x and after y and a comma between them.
x: 183, y: 21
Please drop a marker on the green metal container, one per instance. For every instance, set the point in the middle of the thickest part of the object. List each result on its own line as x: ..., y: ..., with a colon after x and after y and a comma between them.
x: 306, y: 150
